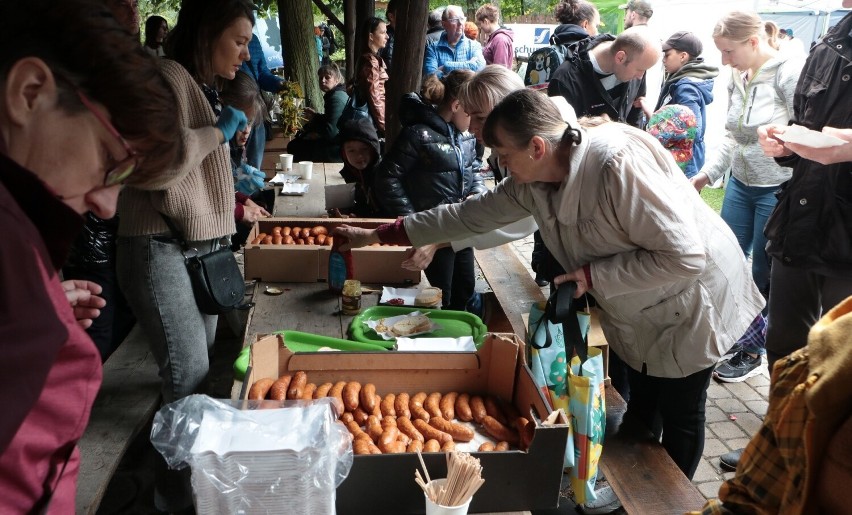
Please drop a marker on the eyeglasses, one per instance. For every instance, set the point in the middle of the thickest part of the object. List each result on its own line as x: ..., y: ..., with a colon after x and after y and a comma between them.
x: 121, y: 170
x: 455, y: 20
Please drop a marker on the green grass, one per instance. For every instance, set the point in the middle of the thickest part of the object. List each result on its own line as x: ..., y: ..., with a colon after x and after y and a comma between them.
x: 713, y: 197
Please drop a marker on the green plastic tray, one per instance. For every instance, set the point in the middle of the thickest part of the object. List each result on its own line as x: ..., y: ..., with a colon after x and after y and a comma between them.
x: 453, y: 324
x: 298, y: 341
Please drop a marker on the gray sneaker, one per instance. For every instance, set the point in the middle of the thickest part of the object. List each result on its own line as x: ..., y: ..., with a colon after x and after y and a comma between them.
x: 606, y: 502
x: 738, y: 368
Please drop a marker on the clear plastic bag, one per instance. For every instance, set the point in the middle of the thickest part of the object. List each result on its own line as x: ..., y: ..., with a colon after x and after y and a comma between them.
x: 269, y: 457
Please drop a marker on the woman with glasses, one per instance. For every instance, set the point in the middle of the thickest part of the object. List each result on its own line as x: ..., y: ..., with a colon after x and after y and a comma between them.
x: 208, y: 44
x: 82, y: 111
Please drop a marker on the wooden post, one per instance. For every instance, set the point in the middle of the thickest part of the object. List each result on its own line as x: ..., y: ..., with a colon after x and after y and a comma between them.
x: 407, y: 65
x: 301, y: 59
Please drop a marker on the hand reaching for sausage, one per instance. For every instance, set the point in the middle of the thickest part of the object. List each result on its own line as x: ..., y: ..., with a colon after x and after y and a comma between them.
x: 418, y: 258
x: 84, y: 300
x: 356, y: 237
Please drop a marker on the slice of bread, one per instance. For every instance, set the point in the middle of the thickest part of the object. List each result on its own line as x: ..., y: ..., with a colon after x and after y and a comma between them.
x: 428, y: 297
x: 411, y: 325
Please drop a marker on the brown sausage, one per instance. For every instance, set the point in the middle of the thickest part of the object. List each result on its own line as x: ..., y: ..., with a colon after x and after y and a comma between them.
x: 296, y: 232
x: 400, y: 405
x: 350, y: 395
x: 277, y: 239
x: 267, y: 240
x: 259, y: 238
x: 448, y: 446
x: 346, y: 417
x: 463, y: 407
x: 388, y: 422
x: 368, y: 397
x: 416, y: 407
x: 259, y: 389
x: 285, y: 231
x: 447, y: 405
x: 318, y: 229
x: 377, y: 410
x: 306, y: 233
x: 387, y: 405
x: 408, y: 428
x: 360, y: 416
x: 391, y: 434
x: 415, y: 446
x: 433, y: 404
x: 337, y: 391
x: 309, y: 240
x: 297, y: 385
x: 319, y: 239
x: 322, y: 390
x: 329, y: 240
x: 459, y: 432
x: 493, y: 409
x: 308, y: 392
x: 501, y: 446
x: 276, y: 230
x: 356, y: 430
x: 394, y: 447
x: 432, y: 446
x: 430, y: 432
x: 374, y: 428
x: 360, y: 446
x: 486, y: 447
x: 300, y: 241
x: 477, y: 408
x: 288, y: 240
x: 500, y: 432
x: 278, y: 392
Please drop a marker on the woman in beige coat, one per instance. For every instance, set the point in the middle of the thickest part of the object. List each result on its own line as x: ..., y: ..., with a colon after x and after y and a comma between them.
x: 615, y: 209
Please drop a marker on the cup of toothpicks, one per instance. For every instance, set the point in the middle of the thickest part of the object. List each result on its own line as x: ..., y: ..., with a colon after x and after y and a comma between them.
x: 451, y: 495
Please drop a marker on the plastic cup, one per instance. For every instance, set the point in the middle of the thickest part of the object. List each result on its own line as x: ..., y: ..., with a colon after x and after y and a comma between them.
x: 286, y: 161
x: 306, y: 170
x: 437, y: 509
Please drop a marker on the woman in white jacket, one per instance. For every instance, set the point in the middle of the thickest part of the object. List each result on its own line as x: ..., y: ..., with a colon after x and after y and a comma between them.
x: 614, y: 208
x: 760, y: 92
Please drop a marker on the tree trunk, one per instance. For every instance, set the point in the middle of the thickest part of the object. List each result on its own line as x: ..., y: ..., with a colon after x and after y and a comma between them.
x: 349, y: 24
x: 407, y: 65
x: 298, y: 45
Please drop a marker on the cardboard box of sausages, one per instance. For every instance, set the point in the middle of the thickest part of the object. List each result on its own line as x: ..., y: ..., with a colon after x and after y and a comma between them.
x: 383, y: 483
x: 303, y: 256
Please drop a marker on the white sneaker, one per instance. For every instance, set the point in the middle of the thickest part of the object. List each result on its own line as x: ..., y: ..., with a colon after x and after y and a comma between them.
x: 606, y: 502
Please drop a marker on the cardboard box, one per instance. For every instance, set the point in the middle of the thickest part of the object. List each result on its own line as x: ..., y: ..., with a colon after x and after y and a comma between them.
x: 309, y: 263
x: 384, y: 484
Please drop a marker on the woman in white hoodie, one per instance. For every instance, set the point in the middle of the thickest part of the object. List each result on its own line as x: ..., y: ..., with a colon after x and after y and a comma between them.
x: 760, y: 92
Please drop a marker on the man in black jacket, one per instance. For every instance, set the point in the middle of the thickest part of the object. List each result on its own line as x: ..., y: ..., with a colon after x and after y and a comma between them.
x: 606, y: 74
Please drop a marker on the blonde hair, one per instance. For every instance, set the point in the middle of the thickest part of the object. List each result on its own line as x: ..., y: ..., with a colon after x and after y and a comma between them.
x: 443, y: 91
x: 739, y: 27
x: 488, y: 12
x: 487, y: 88
x: 772, y: 31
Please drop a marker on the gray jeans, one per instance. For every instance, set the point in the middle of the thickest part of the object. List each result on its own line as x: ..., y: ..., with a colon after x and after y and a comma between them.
x: 797, y: 299
x: 154, y: 279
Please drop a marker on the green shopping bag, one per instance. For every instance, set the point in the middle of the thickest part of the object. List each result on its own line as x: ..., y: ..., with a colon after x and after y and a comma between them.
x: 546, y: 350
x: 587, y: 411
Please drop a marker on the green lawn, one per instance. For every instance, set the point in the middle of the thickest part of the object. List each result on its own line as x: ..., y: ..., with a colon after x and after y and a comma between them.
x: 713, y: 197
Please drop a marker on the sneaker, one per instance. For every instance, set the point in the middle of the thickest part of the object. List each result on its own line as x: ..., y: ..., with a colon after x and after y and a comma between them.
x: 733, y: 350
x: 541, y: 282
x: 738, y: 368
x: 606, y: 502
x: 728, y: 461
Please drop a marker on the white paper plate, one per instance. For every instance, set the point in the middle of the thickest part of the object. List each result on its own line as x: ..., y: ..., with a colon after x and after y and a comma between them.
x: 294, y: 189
x: 809, y: 138
x: 406, y: 294
x: 390, y: 321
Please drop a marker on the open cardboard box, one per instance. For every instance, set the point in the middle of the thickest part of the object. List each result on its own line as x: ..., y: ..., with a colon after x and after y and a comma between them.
x: 384, y: 484
x: 309, y: 263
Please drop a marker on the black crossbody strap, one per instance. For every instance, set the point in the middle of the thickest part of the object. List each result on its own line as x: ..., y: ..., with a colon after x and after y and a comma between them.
x: 565, y: 314
x: 175, y: 231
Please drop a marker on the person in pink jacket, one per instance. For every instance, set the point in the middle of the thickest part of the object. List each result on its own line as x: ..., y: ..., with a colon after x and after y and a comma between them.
x: 498, y: 47
x: 83, y: 110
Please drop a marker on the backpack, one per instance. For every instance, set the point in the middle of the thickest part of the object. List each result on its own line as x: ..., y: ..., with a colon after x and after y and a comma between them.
x: 543, y: 62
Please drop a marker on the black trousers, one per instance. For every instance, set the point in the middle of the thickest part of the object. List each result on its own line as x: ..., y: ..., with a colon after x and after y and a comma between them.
x: 453, y: 273
x: 675, y: 408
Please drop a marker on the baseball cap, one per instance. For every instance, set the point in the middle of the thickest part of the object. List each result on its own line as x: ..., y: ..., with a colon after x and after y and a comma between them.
x: 684, y: 41
x: 641, y: 7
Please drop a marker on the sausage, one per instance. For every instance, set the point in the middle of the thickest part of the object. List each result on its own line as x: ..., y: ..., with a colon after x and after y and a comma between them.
x: 459, y: 432
x: 259, y: 238
x: 306, y: 233
x: 390, y: 434
x: 360, y: 446
x: 432, y: 446
x: 463, y: 407
x: 259, y: 389
x: 308, y: 392
x: 415, y: 446
x: 408, y: 428
x: 368, y: 397
x: 501, y: 446
x: 309, y: 240
x: 285, y: 231
x: 430, y: 433
x: 526, y: 432
x: 360, y: 416
x: 400, y: 405
x: 346, y: 417
x: 433, y: 404
x: 477, y: 408
x: 320, y: 239
x: 377, y: 410
x: 322, y: 390
x: 417, y: 409
x: 276, y: 230
x: 387, y: 405
x: 374, y: 428
x: 277, y: 239
x: 388, y: 422
x: 394, y: 447
x: 447, y: 405
x: 337, y: 391
x: 288, y: 240
x: 329, y: 240
x: 448, y: 446
x: 297, y: 385
x: 300, y: 241
x: 486, y: 447
x: 350, y: 395
x: 318, y: 229
x: 267, y: 240
x: 278, y: 392
x: 296, y: 232
x: 500, y: 432
x: 356, y: 430
x: 512, y: 413
x: 493, y: 409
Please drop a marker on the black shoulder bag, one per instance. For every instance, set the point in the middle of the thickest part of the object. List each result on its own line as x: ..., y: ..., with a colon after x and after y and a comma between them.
x: 216, y: 280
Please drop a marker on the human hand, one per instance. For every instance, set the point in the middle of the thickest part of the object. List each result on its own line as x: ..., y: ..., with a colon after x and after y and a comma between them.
x: 827, y: 155
x: 356, y: 236
x: 769, y: 143
x: 249, y: 179
x: 578, y: 276
x: 418, y: 258
x: 699, y: 181
x: 84, y: 300
x: 230, y: 121
x: 252, y: 213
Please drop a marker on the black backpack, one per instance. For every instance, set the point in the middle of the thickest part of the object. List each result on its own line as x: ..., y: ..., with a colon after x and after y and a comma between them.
x: 543, y: 62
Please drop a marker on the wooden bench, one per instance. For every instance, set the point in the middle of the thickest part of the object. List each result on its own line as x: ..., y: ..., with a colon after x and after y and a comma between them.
x: 126, y: 402
x: 642, y: 474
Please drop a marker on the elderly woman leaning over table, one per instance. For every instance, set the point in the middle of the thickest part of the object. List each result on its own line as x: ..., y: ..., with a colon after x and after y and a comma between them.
x: 668, y: 275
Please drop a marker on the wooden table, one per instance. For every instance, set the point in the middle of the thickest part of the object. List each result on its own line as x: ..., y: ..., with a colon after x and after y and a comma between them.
x: 312, y: 203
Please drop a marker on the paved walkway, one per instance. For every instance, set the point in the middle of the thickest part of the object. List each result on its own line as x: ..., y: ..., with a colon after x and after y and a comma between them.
x: 734, y: 412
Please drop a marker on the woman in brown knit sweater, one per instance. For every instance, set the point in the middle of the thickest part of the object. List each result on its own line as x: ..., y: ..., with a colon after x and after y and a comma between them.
x: 209, y: 43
